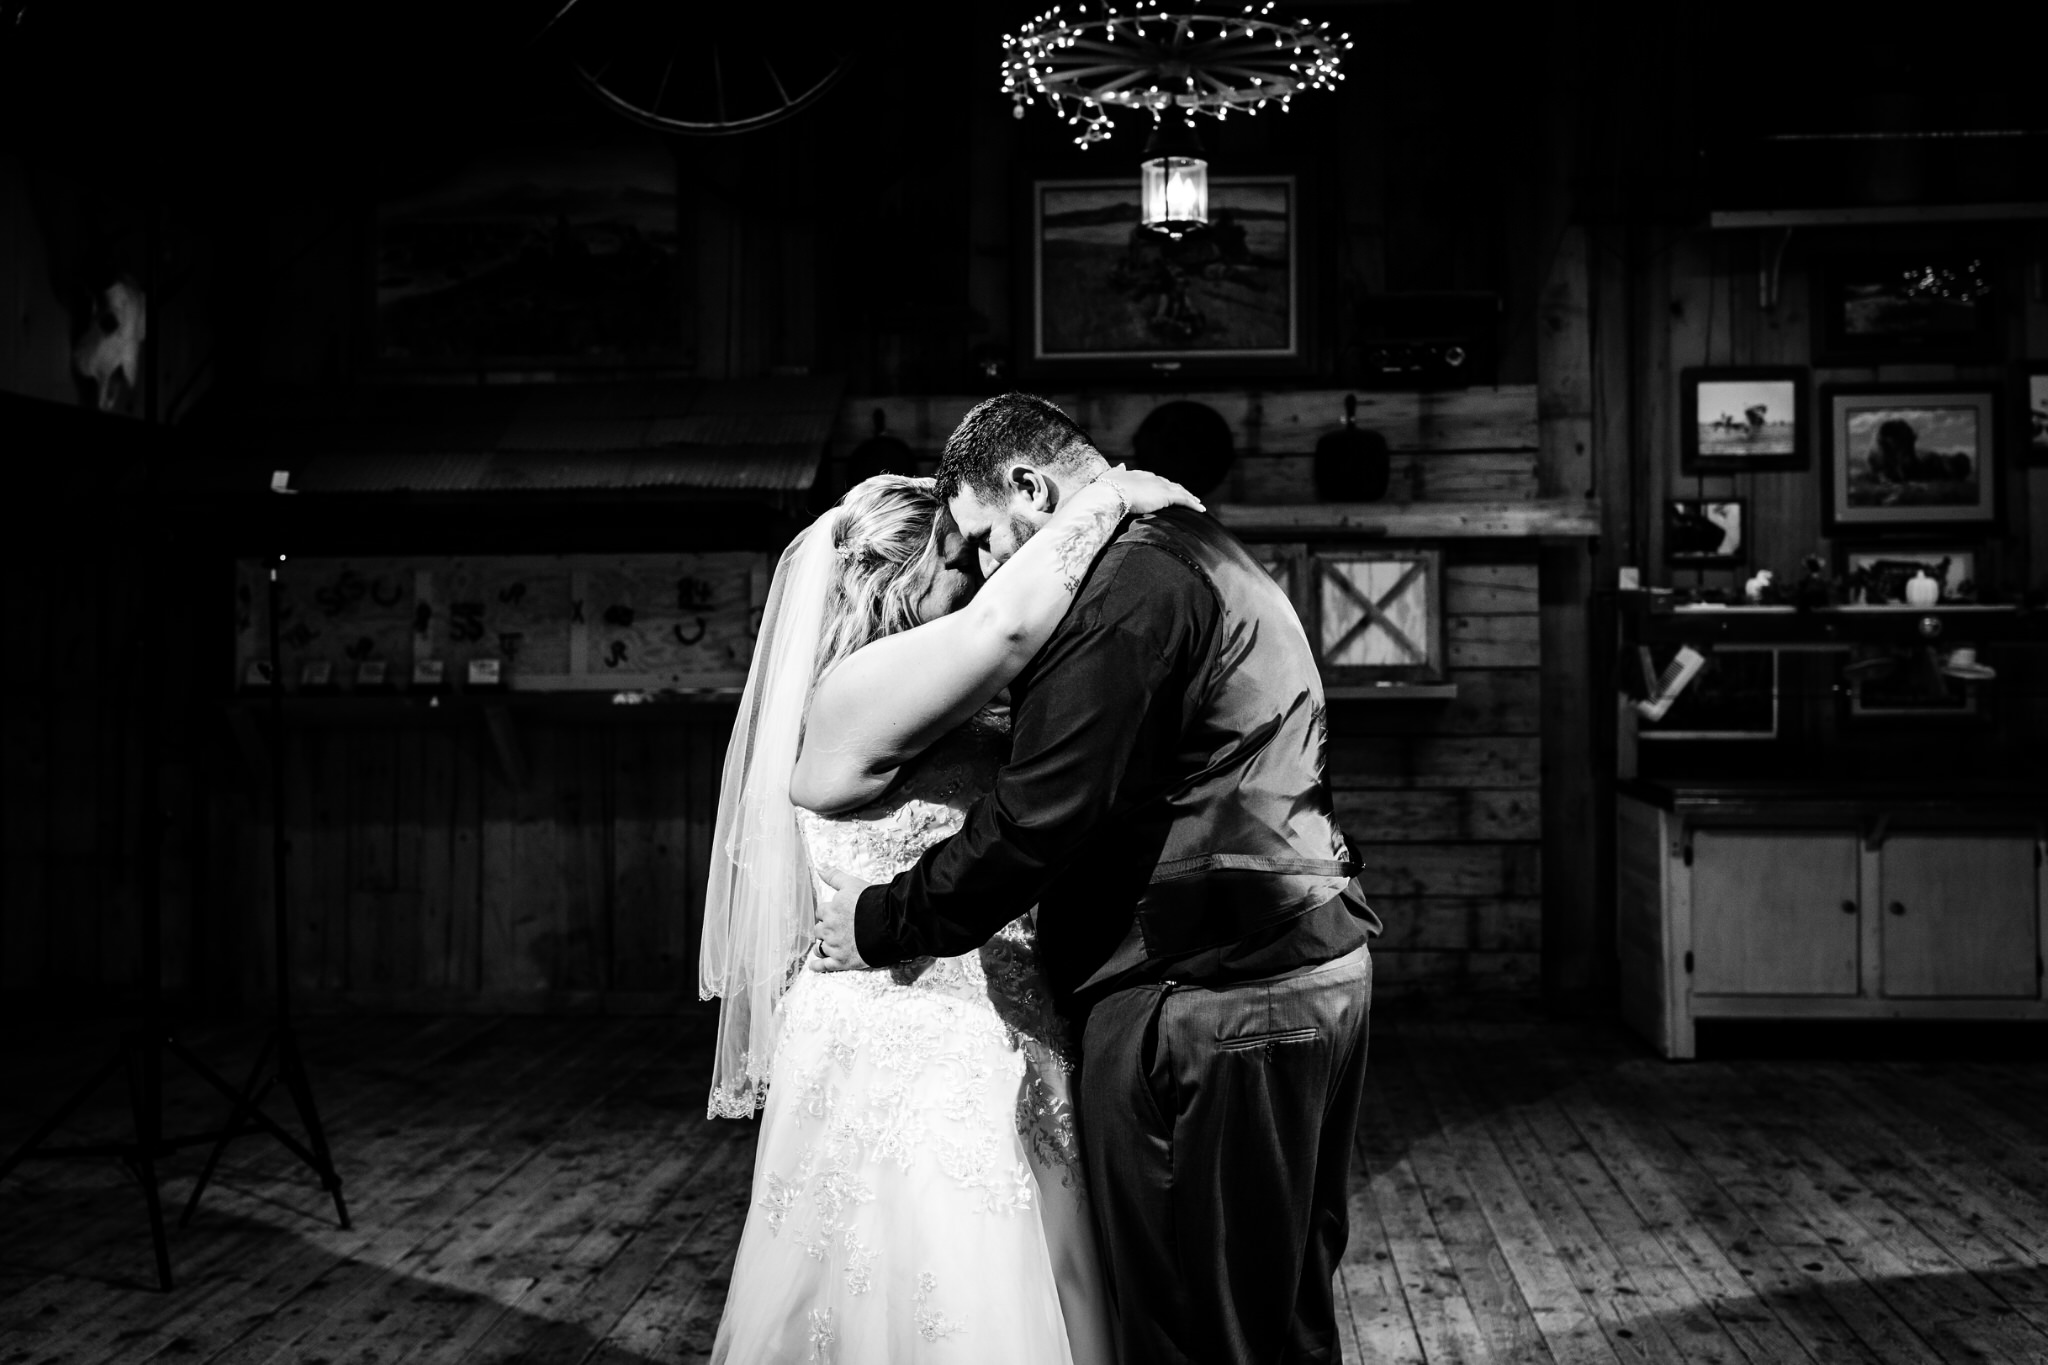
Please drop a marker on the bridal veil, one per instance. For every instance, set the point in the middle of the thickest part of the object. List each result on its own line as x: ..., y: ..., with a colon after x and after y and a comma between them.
x: 758, y: 905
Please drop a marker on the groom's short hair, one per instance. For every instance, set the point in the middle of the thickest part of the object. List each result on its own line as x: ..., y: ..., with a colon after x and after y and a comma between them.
x: 997, y: 432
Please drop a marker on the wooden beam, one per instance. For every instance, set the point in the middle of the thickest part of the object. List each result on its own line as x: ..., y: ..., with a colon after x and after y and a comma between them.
x: 1563, y: 518
x: 1877, y: 214
x: 1278, y: 422
x: 1391, y: 692
x: 1573, y: 817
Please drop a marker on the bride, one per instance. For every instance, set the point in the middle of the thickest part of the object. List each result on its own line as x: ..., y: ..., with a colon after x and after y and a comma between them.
x: 916, y: 1191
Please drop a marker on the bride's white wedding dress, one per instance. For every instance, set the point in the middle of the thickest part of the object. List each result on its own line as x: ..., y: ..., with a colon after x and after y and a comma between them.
x: 917, y: 1189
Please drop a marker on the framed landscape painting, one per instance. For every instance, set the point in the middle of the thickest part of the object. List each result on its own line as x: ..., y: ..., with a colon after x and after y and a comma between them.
x: 1911, y: 457
x: 1108, y: 295
x: 1929, y: 305
x: 1736, y: 418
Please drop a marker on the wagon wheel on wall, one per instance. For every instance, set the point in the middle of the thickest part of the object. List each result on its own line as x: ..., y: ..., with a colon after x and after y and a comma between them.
x: 680, y: 69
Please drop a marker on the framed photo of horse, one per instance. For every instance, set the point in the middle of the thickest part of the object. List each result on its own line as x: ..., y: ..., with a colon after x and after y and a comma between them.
x: 1911, y: 457
x: 1735, y: 418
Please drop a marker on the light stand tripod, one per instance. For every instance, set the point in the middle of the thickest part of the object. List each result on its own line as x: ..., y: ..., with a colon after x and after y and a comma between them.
x: 141, y: 1050
x: 283, y: 1043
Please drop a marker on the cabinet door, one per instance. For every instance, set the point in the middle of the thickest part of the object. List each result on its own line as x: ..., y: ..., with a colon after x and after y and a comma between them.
x: 1774, y: 913
x: 1959, y: 917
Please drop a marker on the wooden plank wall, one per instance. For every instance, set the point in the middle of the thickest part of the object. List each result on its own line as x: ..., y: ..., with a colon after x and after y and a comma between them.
x: 1666, y: 300
x: 72, y: 838
x: 425, y: 880
x: 1698, y: 300
x: 1451, y: 446
x: 423, y: 877
x: 1444, y: 799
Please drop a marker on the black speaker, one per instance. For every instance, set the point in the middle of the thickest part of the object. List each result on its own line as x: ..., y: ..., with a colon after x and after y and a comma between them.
x: 1415, y: 341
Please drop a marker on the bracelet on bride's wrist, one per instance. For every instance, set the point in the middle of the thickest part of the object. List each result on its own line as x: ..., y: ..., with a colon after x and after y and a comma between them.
x: 1123, y: 504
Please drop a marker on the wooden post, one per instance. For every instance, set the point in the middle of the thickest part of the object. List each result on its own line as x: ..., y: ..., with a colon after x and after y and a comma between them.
x: 1575, y: 914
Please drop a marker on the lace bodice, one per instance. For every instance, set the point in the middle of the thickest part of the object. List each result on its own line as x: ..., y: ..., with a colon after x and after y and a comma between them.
x: 918, y: 1121
x: 929, y: 803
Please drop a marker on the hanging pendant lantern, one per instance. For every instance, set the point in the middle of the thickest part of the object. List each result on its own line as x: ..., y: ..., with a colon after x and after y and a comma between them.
x: 1175, y: 180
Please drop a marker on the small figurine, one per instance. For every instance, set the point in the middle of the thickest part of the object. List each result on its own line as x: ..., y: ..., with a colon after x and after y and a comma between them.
x: 1758, y: 587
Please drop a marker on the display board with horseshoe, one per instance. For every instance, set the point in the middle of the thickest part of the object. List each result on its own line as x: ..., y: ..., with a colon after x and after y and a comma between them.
x: 551, y: 623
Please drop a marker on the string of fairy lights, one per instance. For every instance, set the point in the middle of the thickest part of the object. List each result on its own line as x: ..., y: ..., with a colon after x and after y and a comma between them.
x: 1107, y: 57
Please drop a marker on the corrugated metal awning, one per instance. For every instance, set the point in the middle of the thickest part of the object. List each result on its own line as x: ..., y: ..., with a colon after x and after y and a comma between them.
x: 765, y: 435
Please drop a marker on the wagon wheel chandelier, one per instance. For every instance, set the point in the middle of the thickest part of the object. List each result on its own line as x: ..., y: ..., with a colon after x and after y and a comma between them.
x: 698, y: 71
x: 1173, y: 65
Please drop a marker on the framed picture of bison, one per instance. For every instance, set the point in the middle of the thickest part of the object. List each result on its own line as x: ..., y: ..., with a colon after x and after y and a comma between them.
x: 1745, y: 417
x: 1911, y: 457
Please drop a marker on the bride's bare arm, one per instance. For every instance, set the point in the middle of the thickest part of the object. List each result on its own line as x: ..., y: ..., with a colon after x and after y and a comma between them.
x: 885, y: 704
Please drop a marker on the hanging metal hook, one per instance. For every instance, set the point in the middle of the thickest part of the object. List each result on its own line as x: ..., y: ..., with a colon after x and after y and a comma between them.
x: 1768, y: 277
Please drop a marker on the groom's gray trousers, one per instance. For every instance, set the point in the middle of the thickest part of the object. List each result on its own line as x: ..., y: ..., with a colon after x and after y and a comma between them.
x: 1218, y: 1123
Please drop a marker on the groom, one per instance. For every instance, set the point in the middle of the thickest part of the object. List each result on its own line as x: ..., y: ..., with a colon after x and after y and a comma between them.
x: 1165, y: 807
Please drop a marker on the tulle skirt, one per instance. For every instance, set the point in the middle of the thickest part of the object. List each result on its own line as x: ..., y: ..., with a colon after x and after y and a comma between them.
x: 917, y: 1196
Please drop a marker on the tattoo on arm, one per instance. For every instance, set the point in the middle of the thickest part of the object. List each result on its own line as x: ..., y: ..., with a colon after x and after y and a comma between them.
x: 1076, y: 548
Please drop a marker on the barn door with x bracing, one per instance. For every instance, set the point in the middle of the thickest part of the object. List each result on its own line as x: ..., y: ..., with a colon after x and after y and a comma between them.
x: 1378, y: 615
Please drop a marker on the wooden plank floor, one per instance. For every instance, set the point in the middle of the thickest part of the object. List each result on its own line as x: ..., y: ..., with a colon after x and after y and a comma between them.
x: 531, y: 1189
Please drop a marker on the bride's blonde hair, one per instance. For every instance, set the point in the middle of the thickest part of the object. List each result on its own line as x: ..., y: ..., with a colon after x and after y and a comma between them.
x: 885, y: 539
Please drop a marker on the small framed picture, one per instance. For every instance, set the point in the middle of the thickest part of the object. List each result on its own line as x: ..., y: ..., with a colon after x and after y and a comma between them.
x: 1917, y: 306
x: 1704, y: 532
x: 1878, y: 578
x: 1733, y: 696
x: 1911, y: 456
x: 1751, y: 417
x: 2034, y: 428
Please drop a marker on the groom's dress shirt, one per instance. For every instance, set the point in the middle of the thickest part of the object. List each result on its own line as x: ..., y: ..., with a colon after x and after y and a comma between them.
x: 1108, y: 725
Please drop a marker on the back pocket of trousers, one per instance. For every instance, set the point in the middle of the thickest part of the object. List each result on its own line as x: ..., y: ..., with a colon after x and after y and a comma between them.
x: 1293, y: 1035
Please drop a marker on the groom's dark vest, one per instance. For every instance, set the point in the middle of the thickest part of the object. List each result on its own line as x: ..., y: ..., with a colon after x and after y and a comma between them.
x: 1249, y: 841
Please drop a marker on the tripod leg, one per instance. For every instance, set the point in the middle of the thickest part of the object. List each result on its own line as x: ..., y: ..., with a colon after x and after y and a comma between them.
x: 145, y: 1171
x: 293, y: 1070
x: 64, y: 1111
x: 143, y: 1097
x: 248, y: 1099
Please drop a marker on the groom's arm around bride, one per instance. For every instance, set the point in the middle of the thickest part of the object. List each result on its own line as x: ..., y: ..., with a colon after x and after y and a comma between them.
x: 1165, y: 807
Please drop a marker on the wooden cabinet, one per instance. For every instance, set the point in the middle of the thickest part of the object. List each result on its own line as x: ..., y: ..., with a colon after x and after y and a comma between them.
x: 1959, y: 918
x: 1774, y: 914
x: 1748, y: 902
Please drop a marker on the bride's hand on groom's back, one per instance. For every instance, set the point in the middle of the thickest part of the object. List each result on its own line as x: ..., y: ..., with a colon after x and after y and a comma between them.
x: 1147, y: 492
